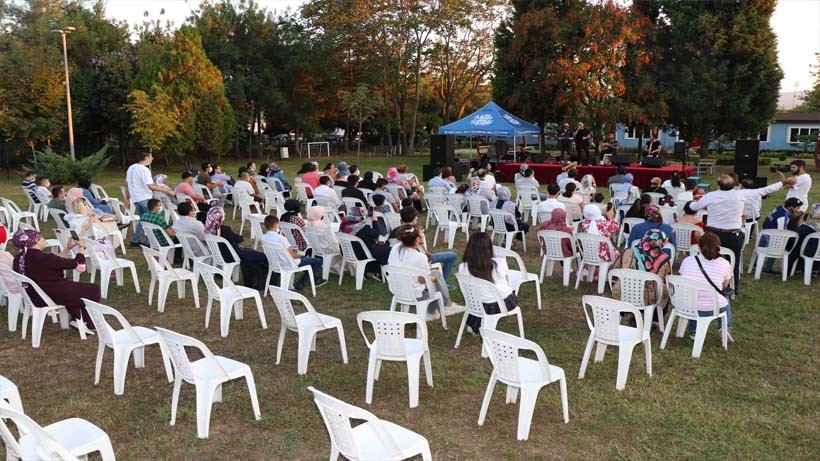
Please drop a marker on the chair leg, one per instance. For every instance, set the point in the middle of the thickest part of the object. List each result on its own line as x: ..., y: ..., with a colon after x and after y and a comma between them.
x: 587, y: 353
x: 166, y: 362
x: 257, y: 414
x: 225, y: 307
x: 162, y: 294
x: 647, y: 345
x: 428, y: 368
x: 175, y: 399
x: 600, y: 351
x: 280, y: 343
x: 195, y: 292
x: 305, y: 340
x: 120, y: 368
x: 564, y: 401
x: 529, y: 395
x: 700, y: 336
x: 38, y: 318
x: 16, y: 300
x: 538, y: 293
x: 204, y: 402
x: 135, y: 278
x: 98, y: 366
x: 413, y: 369
x: 360, y: 269
x: 807, y: 265
x: 461, y: 330
x: 488, y: 395
x: 342, y: 344
x: 371, y: 376
x: 624, y: 359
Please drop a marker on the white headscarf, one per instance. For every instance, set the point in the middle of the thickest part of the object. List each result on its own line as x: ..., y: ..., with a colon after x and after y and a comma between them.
x: 592, y: 213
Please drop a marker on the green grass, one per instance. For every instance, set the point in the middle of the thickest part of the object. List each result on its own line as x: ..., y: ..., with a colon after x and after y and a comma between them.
x: 759, y: 400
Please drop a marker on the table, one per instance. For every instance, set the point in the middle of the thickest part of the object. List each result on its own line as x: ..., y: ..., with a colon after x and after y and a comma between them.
x: 546, y: 173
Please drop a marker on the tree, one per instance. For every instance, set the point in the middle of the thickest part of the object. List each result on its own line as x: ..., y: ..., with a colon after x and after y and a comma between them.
x: 155, y: 119
x: 721, y: 75
x: 811, y: 98
x: 360, y: 104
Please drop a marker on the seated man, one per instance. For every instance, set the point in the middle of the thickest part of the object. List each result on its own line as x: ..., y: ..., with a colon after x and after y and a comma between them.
x: 618, y: 178
x: 610, y: 145
x: 380, y: 205
x: 653, y: 147
x: 43, y: 188
x: 188, y: 223
x: 154, y: 215
x: 243, y: 188
x: 655, y: 187
x: 58, y: 198
x: 352, y: 191
x: 367, y: 182
x: 572, y: 173
x: 275, y: 172
x: 440, y: 180
x: 324, y: 190
x: 552, y: 202
x: 292, y: 258
x: 29, y: 185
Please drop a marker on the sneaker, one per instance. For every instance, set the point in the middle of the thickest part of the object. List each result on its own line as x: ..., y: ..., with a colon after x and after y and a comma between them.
x: 453, y: 309
x: 321, y: 283
x: 471, y: 331
x: 433, y: 316
x: 769, y: 271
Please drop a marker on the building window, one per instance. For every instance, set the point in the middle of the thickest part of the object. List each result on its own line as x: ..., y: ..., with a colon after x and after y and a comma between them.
x: 763, y: 136
x: 796, y: 133
x: 632, y: 132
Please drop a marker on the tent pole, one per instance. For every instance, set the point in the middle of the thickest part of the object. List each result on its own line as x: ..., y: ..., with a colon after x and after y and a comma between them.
x: 515, y: 151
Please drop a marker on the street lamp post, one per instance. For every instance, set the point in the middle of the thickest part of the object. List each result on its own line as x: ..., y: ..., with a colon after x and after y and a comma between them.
x: 63, y: 32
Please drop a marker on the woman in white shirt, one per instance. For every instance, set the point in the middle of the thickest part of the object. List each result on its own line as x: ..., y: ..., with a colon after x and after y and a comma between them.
x: 479, y: 261
x: 409, y: 253
x: 719, y: 271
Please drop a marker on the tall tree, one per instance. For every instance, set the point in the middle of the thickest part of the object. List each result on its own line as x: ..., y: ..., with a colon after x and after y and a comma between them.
x: 721, y: 75
x: 811, y: 98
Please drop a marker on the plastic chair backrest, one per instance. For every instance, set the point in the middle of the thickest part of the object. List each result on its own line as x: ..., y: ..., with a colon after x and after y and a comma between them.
x: 590, y: 246
x: 325, y: 202
x: 505, y: 349
x: 751, y: 211
x: 656, y: 197
x: 290, y: 230
x: 388, y: 329
x: 500, y: 220
x: 284, y: 299
x: 455, y: 200
x: 11, y: 206
x: 346, y: 244
x: 685, y: 294
x: 633, y: 285
x: 208, y: 273
x: 397, y: 191
x: 400, y: 281
x: 778, y: 240
x: 302, y: 189
x: 509, y: 254
x: 434, y: 199
x: 393, y: 220
x: 213, y: 242
x: 606, y: 316
x: 22, y: 281
x: 314, y: 239
x: 810, y: 237
x: 277, y: 255
x: 683, y: 234
x: 353, y: 202
x: 337, y: 415
x: 47, y: 447
x: 98, y: 191
x: 105, y: 331
x: 190, y: 244
x: 475, y: 207
x: 552, y: 243
x: 59, y: 218
x: 175, y: 345
x: 151, y: 231
x: 471, y: 287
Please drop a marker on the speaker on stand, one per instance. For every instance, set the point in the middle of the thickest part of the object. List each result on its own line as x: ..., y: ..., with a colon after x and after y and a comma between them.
x: 682, y: 155
x: 747, y: 154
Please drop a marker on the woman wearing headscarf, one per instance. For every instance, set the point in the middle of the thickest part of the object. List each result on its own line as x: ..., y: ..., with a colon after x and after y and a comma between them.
x: 325, y: 236
x: 654, y: 231
x: 503, y: 201
x: 597, y: 224
x: 588, y: 188
x: 357, y: 222
x: 628, y: 189
x: 161, y: 181
x: 292, y: 216
x: 47, y: 271
x: 254, y: 264
x: 558, y: 223
x: 393, y: 177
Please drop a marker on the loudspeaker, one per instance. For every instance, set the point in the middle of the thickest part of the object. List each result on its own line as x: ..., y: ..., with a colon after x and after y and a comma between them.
x: 761, y: 181
x: 747, y: 152
x: 427, y: 172
x: 500, y: 148
x: 618, y: 160
x: 653, y: 162
x: 681, y: 149
x: 442, y: 149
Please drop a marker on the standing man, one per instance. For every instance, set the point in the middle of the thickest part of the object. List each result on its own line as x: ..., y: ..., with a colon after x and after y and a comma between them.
x: 138, y: 189
x: 725, y: 208
x: 565, y: 141
x: 582, y: 139
x: 802, y: 186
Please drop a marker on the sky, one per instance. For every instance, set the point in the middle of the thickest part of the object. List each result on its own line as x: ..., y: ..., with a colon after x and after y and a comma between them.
x: 795, y: 22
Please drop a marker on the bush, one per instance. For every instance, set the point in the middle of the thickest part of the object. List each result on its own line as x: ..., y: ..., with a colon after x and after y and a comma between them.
x: 61, y: 169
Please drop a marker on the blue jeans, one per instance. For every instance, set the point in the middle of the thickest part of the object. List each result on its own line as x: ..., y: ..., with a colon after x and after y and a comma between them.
x: 139, y: 208
x: 316, y: 265
x: 447, y: 260
x: 727, y: 308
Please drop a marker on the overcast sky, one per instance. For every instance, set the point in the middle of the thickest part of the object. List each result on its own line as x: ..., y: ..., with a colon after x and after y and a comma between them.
x: 796, y: 23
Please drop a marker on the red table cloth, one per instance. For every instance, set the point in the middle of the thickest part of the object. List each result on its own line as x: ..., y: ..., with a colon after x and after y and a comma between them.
x: 546, y: 173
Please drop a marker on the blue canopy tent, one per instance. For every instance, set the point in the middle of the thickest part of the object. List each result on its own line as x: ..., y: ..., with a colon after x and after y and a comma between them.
x: 491, y: 120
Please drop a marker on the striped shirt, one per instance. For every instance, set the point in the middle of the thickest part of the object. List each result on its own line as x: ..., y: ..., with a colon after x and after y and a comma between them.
x: 719, y: 271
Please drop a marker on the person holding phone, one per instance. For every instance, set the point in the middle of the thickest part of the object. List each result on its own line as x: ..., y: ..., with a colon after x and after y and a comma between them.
x: 47, y: 270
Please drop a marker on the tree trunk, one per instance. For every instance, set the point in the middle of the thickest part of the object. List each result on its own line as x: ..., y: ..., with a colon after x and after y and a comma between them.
x: 347, y: 134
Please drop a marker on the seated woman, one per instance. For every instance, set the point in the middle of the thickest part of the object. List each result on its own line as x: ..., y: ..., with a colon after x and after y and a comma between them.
x: 410, y: 253
x: 691, y: 217
x: 85, y: 186
x: 653, y: 224
x: 88, y: 224
x: 185, y: 188
x: 355, y: 222
x: 588, y: 188
x: 161, y: 181
x: 480, y: 261
x: 292, y: 216
x: 254, y: 264
x: 47, y: 270
x: 504, y: 201
x: 710, y: 268
x: 327, y: 239
x: 638, y: 208
x: 558, y: 222
x: 571, y: 196
x: 413, y: 189
x: 596, y: 224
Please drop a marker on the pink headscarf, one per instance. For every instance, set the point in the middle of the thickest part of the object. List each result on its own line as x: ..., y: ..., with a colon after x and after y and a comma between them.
x: 314, y: 218
x: 214, y: 220
x: 393, y: 176
x: 73, y: 194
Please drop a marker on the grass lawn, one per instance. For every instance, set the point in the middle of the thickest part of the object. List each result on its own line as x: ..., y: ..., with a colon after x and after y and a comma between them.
x: 759, y: 400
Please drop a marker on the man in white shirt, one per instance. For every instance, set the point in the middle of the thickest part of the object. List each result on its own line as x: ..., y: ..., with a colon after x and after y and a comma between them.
x: 242, y: 188
x: 552, y: 201
x: 139, y: 188
x: 291, y: 259
x: 324, y: 190
x: 802, y: 186
x: 571, y: 174
x: 725, y: 207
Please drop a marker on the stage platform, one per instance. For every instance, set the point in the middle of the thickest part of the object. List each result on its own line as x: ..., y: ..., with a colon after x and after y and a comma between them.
x: 546, y: 173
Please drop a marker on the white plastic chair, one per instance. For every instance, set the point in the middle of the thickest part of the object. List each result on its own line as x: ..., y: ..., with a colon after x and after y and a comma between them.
x: 626, y: 228
x: 105, y: 264
x: 166, y: 251
x: 750, y: 224
x: 10, y: 395
x: 448, y: 219
x: 39, y: 209
x: 274, y: 201
x: 684, y: 295
x: 669, y: 214
x: 290, y: 231
x: 329, y: 260
x: 13, y: 298
x: 273, y: 253
x: 164, y: 274
x: 471, y: 287
x: 393, y: 220
x: 522, y: 373
x: 808, y: 258
x: 478, y: 210
x: 500, y: 220
x: 725, y: 253
x: 683, y: 236
x: 397, y: 191
x: 777, y: 248
x: 374, y: 439
x: 390, y: 344
x: 249, y: 209
x: 353, y: 202
x: 528, y: 201
x: 303, y: 192
x: 400, y: 281
x: 58, y: 216
x: 123, y: 342
x: 605, y: 329
x: 206, y: 194
x: 214, y: 242
x: 306, y: 325
x: 519, y: 276
x: 193, y: 250
x: 634, y: 285
x: 38, y: 313
x: 67, y: 440
x: 14, y: 215
x: 552, y: 242
x: 656, y: 197
x: 590, y: 256
x: 346, y: 242
x: 207, y: 374
x: 229, y: 296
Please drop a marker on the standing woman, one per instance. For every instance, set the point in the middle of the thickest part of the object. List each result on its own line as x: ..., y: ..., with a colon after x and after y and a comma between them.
x: 46, y: 270
x: 479, y: 261
x: 254, y: 264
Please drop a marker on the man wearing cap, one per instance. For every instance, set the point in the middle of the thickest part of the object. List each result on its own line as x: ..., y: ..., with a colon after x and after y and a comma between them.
x: 725, y: 207
x: 783, y: 217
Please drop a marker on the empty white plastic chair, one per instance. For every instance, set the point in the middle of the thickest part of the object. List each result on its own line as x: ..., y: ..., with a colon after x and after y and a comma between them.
x: 193, y: 250
x: 500, y: 220
x: 230, y: 298
x: 306, y: 325
x: 808, y: 257
x: 14, y: 215
x: 551, y: 243
x: 10, y: 395
x: 164, y: 274
x: 478, y: 211
x: 528, y: 201
x: 448, y: 219
x: 684, y: 295
x: 67, y: 440
x: 605, y: 329
x: 591, y: 258
x: 207, y: 374
x: 635, y: 285
x: 777, y: 248
x: 397, y: 191
x: 249, y: 209
x: 214, y: 243
x: 520, y: 373
x: 519, y: 276
x: 123, y: 342
x: 390, y: 344
x: 105, y: 264
x: 401, y: 283
x: 374, y: 439
x: 346, y: 242
x: 471, y: 287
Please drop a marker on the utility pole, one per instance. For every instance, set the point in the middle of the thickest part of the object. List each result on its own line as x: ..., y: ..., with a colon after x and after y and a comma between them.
x: 63, y: 32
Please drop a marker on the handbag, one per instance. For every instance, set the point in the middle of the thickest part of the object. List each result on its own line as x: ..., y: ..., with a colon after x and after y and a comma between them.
x: 726, y: 292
